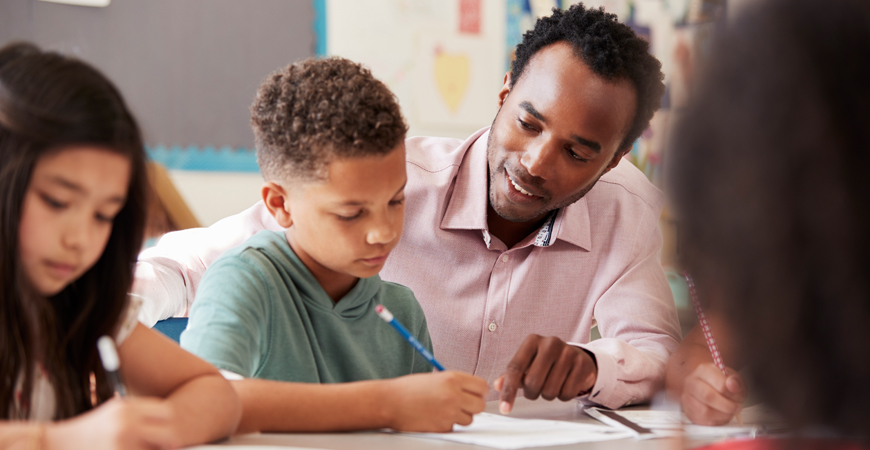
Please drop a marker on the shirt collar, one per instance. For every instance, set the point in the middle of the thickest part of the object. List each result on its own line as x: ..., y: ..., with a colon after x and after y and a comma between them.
x: 467, y: 207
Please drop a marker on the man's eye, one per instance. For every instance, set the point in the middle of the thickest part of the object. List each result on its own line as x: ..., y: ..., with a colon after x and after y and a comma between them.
x: 576, y: 156
x: 526, y: 125
x: 104, y: 218
x: 397, y: 202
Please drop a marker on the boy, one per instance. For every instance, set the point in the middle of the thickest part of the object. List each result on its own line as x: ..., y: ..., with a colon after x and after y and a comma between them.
x: 289, y: 311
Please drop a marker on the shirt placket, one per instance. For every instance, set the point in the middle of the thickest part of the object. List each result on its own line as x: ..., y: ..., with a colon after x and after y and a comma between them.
x: 496, y: 302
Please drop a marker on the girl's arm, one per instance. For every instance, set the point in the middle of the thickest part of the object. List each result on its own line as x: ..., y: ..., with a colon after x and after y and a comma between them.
x: 22, y: 435
x: 205, y: 406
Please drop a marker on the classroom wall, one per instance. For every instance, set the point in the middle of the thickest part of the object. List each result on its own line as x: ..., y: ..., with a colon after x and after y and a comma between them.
x: 188, y: 69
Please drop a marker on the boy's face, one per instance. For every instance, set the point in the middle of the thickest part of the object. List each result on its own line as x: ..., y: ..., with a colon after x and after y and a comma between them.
x: 343, y: 228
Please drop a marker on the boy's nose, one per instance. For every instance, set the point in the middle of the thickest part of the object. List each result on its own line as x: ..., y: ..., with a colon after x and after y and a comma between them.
x: 383, y: 234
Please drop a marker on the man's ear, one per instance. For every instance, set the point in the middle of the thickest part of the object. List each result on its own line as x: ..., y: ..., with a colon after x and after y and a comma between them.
x: 275, y: 197
x: 617, y: 157
x: 505, y: 89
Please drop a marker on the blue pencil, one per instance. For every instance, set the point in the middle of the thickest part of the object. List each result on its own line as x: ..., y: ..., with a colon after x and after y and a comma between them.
x: 388, y: 317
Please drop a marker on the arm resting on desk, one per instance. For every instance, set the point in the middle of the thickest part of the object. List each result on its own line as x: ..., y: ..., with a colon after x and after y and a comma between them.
x: 419, y: 402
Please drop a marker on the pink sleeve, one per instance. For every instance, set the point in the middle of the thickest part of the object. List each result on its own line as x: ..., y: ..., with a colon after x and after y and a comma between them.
x: 168, y: 274
x: 638, y: 323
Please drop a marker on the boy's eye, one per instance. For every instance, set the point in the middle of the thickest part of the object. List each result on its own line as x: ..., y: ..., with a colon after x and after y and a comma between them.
x: 348, y: 218
x: 397, y: 202
x: 52, y: 203
x: 104, y: 218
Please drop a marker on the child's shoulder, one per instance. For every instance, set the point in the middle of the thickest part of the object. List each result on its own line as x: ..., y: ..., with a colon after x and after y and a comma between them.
x: 265, y: 244
x: 400, y: 300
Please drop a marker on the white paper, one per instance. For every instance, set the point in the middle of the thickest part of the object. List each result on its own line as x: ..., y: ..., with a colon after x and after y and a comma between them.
x: 248, y: 447
x: 676, y: 421
x: 494, y: 430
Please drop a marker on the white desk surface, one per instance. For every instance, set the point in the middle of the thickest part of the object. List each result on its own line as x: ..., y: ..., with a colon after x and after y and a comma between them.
x: 372, y: 440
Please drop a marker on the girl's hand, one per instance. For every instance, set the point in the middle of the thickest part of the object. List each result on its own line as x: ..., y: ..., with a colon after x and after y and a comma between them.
x: 120, y: 423
x: 434, y: 401
x: 711, y: 397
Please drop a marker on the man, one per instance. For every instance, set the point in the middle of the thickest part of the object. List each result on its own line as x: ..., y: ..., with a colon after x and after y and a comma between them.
x: 511, y: 244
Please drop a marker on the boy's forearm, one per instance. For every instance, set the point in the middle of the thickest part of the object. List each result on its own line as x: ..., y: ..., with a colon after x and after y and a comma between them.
x: 206, y: 409
x: 282, y: 406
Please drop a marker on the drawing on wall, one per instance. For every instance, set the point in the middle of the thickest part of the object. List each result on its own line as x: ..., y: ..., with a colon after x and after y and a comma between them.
x: 454, y: 80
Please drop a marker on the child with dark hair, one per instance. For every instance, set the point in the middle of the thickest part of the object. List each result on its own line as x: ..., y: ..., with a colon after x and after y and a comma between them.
x: 73, y: 186
x: 535, y: 214
x: 292, y: 314
x: 770, y: 180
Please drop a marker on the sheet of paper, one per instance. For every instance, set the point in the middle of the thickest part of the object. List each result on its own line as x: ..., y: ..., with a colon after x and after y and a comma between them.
x: 662, y: 421
x: 494, y: 430
x: 247, y: 447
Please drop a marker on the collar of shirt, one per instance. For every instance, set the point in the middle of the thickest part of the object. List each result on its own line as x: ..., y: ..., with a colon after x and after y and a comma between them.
x: 466, y: 209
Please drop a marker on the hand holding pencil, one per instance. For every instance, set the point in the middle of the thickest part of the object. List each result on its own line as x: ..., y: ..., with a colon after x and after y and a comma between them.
x: 712, y: 394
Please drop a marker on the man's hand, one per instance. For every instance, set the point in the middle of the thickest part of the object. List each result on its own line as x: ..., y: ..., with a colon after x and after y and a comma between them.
x: 710, y: 397
x: 549, y: 368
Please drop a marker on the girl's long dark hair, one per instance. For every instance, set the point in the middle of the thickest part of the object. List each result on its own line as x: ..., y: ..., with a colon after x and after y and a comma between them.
x: 48, y: 102
x: 771, y: 185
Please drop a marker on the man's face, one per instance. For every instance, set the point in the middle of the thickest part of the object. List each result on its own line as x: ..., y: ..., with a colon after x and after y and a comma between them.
x: 557, y: 131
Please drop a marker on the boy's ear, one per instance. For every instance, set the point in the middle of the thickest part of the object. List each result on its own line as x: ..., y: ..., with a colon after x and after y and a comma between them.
x: 275, y: 198
x: 505, y: 89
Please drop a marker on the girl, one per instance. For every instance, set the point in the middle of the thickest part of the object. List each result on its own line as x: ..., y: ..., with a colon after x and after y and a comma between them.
x: 72, y: 213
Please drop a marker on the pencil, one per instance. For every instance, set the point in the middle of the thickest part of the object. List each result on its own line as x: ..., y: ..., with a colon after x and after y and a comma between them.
x: 388, y: 317
x: 708, y: 333
x: 111, y: 364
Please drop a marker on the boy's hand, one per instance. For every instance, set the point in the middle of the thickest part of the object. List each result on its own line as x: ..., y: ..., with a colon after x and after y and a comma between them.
x: 435, y: 401
x: 546, y: 367
x: 710, y: 397
x: 120, y: 423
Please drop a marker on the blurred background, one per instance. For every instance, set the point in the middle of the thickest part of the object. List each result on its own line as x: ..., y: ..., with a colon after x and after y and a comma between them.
x: 189, y: 70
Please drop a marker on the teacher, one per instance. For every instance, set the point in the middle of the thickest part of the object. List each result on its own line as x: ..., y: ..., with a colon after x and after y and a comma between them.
x: 522, y: 237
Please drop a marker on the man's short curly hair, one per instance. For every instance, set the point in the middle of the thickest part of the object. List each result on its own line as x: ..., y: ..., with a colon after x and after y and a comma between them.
x: 611, y: 49
x: 313, y: 111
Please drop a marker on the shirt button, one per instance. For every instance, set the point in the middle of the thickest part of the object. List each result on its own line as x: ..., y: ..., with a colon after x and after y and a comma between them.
x: 492, y: 326
x: 505, y: 258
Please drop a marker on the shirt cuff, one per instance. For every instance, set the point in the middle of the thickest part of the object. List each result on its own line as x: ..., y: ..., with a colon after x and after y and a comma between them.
x: 602, y: 392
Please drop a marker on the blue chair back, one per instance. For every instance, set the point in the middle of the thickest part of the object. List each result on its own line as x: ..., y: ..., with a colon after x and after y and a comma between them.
x: 172, y: 327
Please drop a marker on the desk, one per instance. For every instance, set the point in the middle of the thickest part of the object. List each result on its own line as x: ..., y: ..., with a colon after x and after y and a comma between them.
x: 371, y: 440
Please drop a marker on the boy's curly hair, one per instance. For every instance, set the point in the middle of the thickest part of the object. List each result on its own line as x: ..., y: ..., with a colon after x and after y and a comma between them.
x: 312, y: 111
x: 611, y: 49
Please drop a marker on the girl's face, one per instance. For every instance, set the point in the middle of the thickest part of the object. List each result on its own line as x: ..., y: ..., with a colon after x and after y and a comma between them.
x: 68, y: 211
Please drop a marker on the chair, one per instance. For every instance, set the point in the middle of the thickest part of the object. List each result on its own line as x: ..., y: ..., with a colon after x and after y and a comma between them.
x: 172, y: 327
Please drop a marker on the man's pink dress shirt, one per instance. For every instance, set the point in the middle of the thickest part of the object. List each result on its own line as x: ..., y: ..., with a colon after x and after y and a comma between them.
x: 596, y: 260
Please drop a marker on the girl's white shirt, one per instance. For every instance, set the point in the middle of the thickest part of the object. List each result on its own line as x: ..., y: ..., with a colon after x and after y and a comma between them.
x: 42, y: 399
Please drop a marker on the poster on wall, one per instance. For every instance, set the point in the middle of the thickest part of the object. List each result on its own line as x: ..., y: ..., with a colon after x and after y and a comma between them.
x: 453, y: 80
